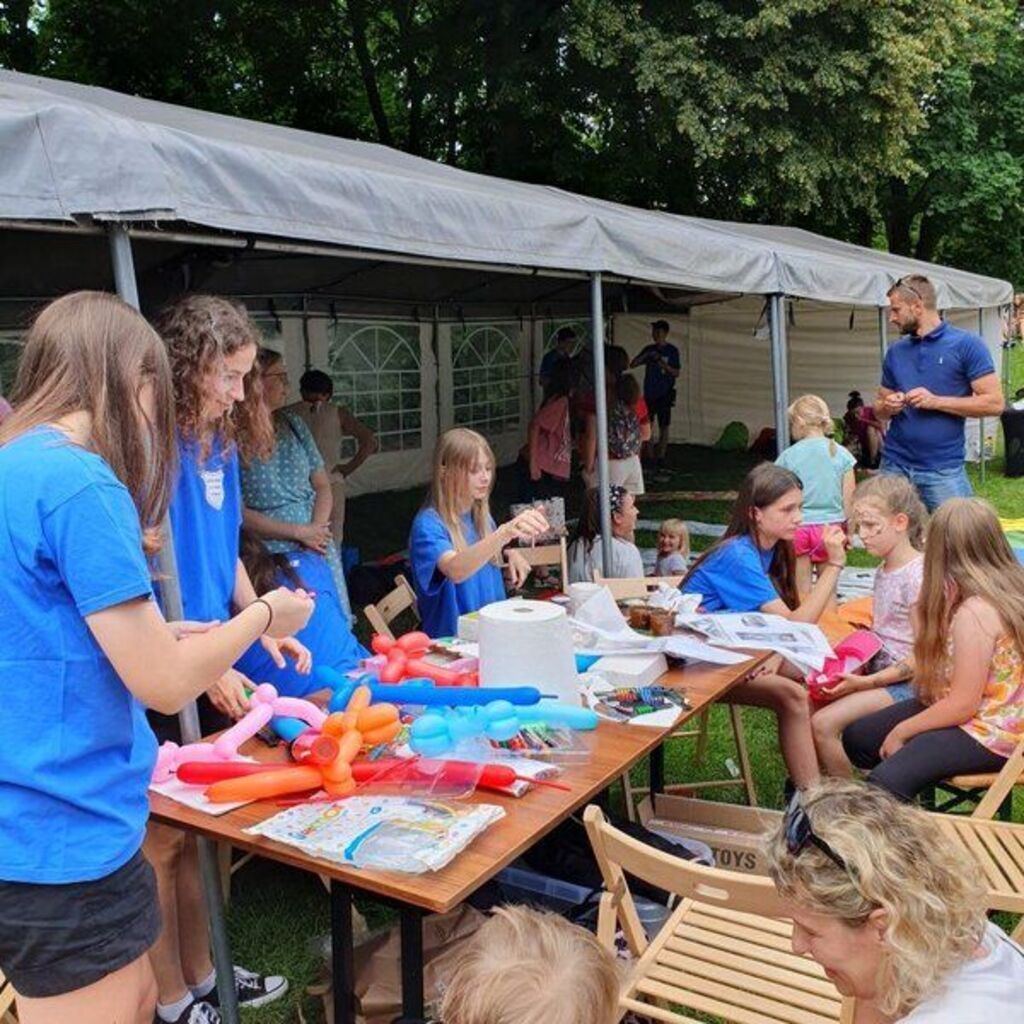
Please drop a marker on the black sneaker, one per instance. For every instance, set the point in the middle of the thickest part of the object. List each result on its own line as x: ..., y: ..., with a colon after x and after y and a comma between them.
x: 199, y: 1011
x: 253, y: 989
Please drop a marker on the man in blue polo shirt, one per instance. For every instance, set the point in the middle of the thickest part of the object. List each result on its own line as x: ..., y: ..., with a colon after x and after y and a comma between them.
x: 934, y: 377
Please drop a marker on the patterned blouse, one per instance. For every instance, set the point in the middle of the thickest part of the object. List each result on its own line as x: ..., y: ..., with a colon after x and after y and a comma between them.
x: 998, y: 724
x: 280, y: 487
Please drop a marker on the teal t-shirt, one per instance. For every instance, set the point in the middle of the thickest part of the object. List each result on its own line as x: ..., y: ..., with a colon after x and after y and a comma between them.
x: 821, y: 472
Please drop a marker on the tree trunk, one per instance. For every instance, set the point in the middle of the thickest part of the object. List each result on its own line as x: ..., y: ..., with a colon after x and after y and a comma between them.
x: 898, y: 217
x: 357, y: 23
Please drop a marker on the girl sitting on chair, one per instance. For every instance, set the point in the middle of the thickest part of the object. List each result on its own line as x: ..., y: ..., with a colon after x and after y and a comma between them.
x: 752, y: 569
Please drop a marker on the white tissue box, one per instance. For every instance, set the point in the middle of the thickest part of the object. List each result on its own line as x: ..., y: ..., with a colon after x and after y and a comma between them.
x: 631, y: 669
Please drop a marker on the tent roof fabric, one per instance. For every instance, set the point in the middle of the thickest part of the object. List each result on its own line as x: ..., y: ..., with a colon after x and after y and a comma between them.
x: 72, y: 151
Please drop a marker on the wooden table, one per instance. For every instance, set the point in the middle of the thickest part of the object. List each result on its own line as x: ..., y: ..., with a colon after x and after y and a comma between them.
x: 614, y: 748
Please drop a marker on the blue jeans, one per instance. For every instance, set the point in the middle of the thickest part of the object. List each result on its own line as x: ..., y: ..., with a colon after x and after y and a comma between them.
x: 934, y: 485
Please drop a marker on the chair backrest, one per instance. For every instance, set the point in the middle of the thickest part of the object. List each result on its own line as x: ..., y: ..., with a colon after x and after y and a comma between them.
x: 6, y: 1001
x: 1008, y: 777
x: 389, y: 607
x: 549, y: 555
x: 618, y: 854
x: 635, y: 586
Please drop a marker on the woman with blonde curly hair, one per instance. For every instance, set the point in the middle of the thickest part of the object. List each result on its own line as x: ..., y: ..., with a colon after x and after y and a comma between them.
x: 892, y: 910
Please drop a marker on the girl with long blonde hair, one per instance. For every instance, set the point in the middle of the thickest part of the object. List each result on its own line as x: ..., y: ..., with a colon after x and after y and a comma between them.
x: 86, y: 468
x: 967, y: 715
x: 454, y: 546
x: 892, y: 909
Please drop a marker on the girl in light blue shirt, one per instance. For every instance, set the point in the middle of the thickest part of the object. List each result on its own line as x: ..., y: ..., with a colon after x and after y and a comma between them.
x: 826, y: 471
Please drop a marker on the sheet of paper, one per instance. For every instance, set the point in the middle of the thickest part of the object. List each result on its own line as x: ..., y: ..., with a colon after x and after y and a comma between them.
x: 194, y: 796
x: 802, y: 643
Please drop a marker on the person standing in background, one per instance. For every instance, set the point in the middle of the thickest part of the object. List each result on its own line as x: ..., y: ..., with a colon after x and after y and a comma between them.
x: 660, y: 360
x: 329, y: 424
x: 561, y: 352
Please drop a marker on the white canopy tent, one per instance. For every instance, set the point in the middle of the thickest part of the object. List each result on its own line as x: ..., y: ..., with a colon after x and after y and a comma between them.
x: 442, y: 284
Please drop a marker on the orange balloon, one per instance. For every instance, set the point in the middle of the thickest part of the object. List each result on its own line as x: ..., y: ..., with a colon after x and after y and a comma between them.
x: 384, y: 734
x: 265, y: 785
x: 375, y: 717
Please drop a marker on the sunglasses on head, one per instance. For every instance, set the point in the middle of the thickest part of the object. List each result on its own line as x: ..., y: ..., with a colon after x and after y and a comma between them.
x: 904, y: 285
x: 800, y: 834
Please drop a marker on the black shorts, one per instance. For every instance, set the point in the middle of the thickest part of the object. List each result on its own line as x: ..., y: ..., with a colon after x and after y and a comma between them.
x: 56, y: 939
x: 211, y: 720
x: 661, y: 409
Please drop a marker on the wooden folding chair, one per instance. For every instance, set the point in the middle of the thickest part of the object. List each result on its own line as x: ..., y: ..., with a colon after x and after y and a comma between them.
x: 389, y: 607
x: 641, y: 587
x: 7, y: 1014
x: 549, y: 556
x: 723, y: 951
x: 997, y: 847
x: 993, y: 794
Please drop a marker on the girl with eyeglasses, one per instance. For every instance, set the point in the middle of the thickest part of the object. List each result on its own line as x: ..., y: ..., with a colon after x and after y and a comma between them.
x: 892, y: 910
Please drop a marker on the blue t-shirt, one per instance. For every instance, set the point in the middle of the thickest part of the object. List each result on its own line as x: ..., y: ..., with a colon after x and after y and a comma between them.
x: 206, y: 516
x: 821, y: 471
x: 441, y: 601
x: 945, y: 361
x: 734, y: 577
x: 328, y: 634
x: 76, y: 753
x: 658, y: 383
x: 551, y: 360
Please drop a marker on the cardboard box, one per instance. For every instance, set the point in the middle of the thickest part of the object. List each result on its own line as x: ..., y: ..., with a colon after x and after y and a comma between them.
x: 735, y: 833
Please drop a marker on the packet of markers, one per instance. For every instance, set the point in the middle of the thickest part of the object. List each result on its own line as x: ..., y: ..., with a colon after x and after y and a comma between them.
x: 655, y: 706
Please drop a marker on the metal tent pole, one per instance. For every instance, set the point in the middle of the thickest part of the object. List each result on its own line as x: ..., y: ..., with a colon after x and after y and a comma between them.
x: 981, y: 421
x: 883, y: 331
x: 601, y: 408
x: 780, y: 369
x: 170, y: 594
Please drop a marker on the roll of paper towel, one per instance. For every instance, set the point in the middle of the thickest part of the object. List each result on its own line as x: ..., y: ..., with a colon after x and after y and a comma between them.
x: 528, y: 643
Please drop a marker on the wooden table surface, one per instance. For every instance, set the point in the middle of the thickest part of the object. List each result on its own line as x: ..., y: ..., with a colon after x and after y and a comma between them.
x: 614, y: 748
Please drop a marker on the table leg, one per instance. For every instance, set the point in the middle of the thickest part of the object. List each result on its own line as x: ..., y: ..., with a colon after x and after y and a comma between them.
x: 343, y: 965
x: 412, y: 966
x: 656, y: 769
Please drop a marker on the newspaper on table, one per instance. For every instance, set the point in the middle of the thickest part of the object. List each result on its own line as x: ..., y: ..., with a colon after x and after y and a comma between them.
x: 801, y: 643
x: 386, y: 833
x: 600, y: 628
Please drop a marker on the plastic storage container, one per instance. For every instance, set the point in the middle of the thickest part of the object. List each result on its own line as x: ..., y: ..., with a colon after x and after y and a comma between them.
x: 520, y: 885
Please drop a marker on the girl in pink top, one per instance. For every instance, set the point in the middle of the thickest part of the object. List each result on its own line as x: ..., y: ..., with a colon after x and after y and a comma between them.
x: 890, y: 518
x: 546, y: 459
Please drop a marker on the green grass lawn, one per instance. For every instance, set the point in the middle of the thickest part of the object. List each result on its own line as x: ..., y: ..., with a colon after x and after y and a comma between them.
x: 278, y: 916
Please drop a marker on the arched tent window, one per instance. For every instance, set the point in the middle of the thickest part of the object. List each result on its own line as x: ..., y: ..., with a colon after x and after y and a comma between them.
x: 376, y: 372
x: 486, y: 378
x: 581, y: 327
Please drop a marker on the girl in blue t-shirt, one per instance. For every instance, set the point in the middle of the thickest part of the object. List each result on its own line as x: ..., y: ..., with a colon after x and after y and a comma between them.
x: 85, y: 479
x: 328, y: 634
x: 212, y: 345
x: 751, y: 569
x: 454, y: 547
